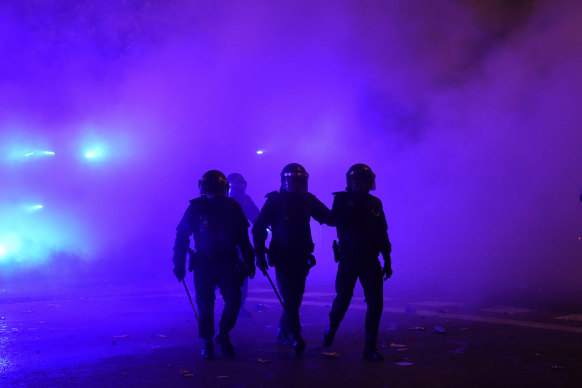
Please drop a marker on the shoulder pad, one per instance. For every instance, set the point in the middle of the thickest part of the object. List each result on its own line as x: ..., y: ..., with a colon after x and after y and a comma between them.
x: 198, y: 203
x: 273, y: 195
x: 375, y: 200
x: 230, y: 200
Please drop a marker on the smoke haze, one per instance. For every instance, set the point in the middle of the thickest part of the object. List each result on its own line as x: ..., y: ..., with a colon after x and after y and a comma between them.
x: 467, y: 112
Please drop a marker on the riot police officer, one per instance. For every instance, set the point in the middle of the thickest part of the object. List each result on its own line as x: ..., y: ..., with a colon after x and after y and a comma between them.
x: 219, y: 226
x: 363, y: 234
x: 287, y: 213
x: 237, y: 191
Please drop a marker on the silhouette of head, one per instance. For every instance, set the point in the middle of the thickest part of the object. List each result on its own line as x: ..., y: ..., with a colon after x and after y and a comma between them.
x: 360, y: 178
x: 213, y: 183
x: 238, y: 185
x: 294, y: 178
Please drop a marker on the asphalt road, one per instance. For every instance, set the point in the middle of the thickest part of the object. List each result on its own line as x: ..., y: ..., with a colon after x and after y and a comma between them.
x: 116, y: 334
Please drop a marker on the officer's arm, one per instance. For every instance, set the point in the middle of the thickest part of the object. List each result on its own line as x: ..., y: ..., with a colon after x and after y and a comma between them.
x: 260, y: 228
x: 182, y: 243
x: 242, y: 236
x: 320, y: 212
x: 384, y: 241
x: 253, y: 211
x: 334, y: 213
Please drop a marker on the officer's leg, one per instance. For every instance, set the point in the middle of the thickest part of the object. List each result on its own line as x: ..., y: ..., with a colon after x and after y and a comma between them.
x: 229, y: 285
x: 296, y: 291
x: 204, y: 284
x: 371, y: 279
x: 347, y: 274
x: 283, y: 283
x: 292, y: 280
x: 243, y: 312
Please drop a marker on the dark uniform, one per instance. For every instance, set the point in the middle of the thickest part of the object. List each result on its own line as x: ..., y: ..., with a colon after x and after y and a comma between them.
x: 362, y: 232
x: 288, y: 212
x: 219, y: 226
x: 237, y: 192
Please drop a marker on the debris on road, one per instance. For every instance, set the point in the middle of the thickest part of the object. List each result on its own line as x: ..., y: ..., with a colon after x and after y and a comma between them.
x: 186, y: 373
x: 330, y: 354
x: 404, y: 363
x: 440, y: 329
x: 418, y: 328
x: 260, y: 306
x: 262, y: 361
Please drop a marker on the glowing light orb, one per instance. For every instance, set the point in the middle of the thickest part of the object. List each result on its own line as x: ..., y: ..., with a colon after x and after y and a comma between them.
x: 10, y: 244
x: 259, y: 152
x: 38, y: 154
x: 95, y: 153
x: 38, y: 206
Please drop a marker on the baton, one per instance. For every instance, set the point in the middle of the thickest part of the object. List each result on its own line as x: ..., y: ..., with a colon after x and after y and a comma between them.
x: 275, y: 289
x: 192, y: 303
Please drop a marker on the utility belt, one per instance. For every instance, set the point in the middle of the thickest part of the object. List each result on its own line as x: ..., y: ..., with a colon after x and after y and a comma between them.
x: 278, y: 255
x: 341, y: 252
x: 198, y: 260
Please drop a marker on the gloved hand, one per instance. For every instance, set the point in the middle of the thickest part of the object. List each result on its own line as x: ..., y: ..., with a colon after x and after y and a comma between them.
x: 262, y: 262
x: 180, y: 272
x: 311, y: 261
x: 250, y: 267
x: 387, y: 270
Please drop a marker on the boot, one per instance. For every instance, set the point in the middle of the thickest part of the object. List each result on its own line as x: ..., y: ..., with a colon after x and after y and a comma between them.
x: 298, y: 344
x: 225, y: 344
x: 329, y: 335
x: 283, y: 338
x: 370, y: 351
x: 208, y: 350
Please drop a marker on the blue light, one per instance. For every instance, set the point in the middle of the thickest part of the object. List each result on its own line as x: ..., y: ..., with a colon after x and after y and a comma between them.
x: 259, y: 152
x: 10, y: 244
x: 38, y: 154
x: 31, y: 207
x: 96, y: 152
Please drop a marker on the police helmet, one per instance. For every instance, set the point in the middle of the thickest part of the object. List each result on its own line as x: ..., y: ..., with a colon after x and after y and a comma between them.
x: 294, y: 178
x: 213, y: 182
x: 360, y: 177
x: 238, y: 184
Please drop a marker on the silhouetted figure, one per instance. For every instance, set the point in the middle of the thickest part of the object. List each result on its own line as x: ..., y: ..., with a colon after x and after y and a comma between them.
x: 219, y: 226
x: 363, y: 234
x: 237, y: 191
x: 288, y: 212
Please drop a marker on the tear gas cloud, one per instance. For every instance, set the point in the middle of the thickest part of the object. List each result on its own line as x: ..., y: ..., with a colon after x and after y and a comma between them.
x: 466, y: 111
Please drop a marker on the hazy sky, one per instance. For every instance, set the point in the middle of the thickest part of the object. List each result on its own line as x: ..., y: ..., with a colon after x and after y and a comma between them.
x: 467, y: 111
